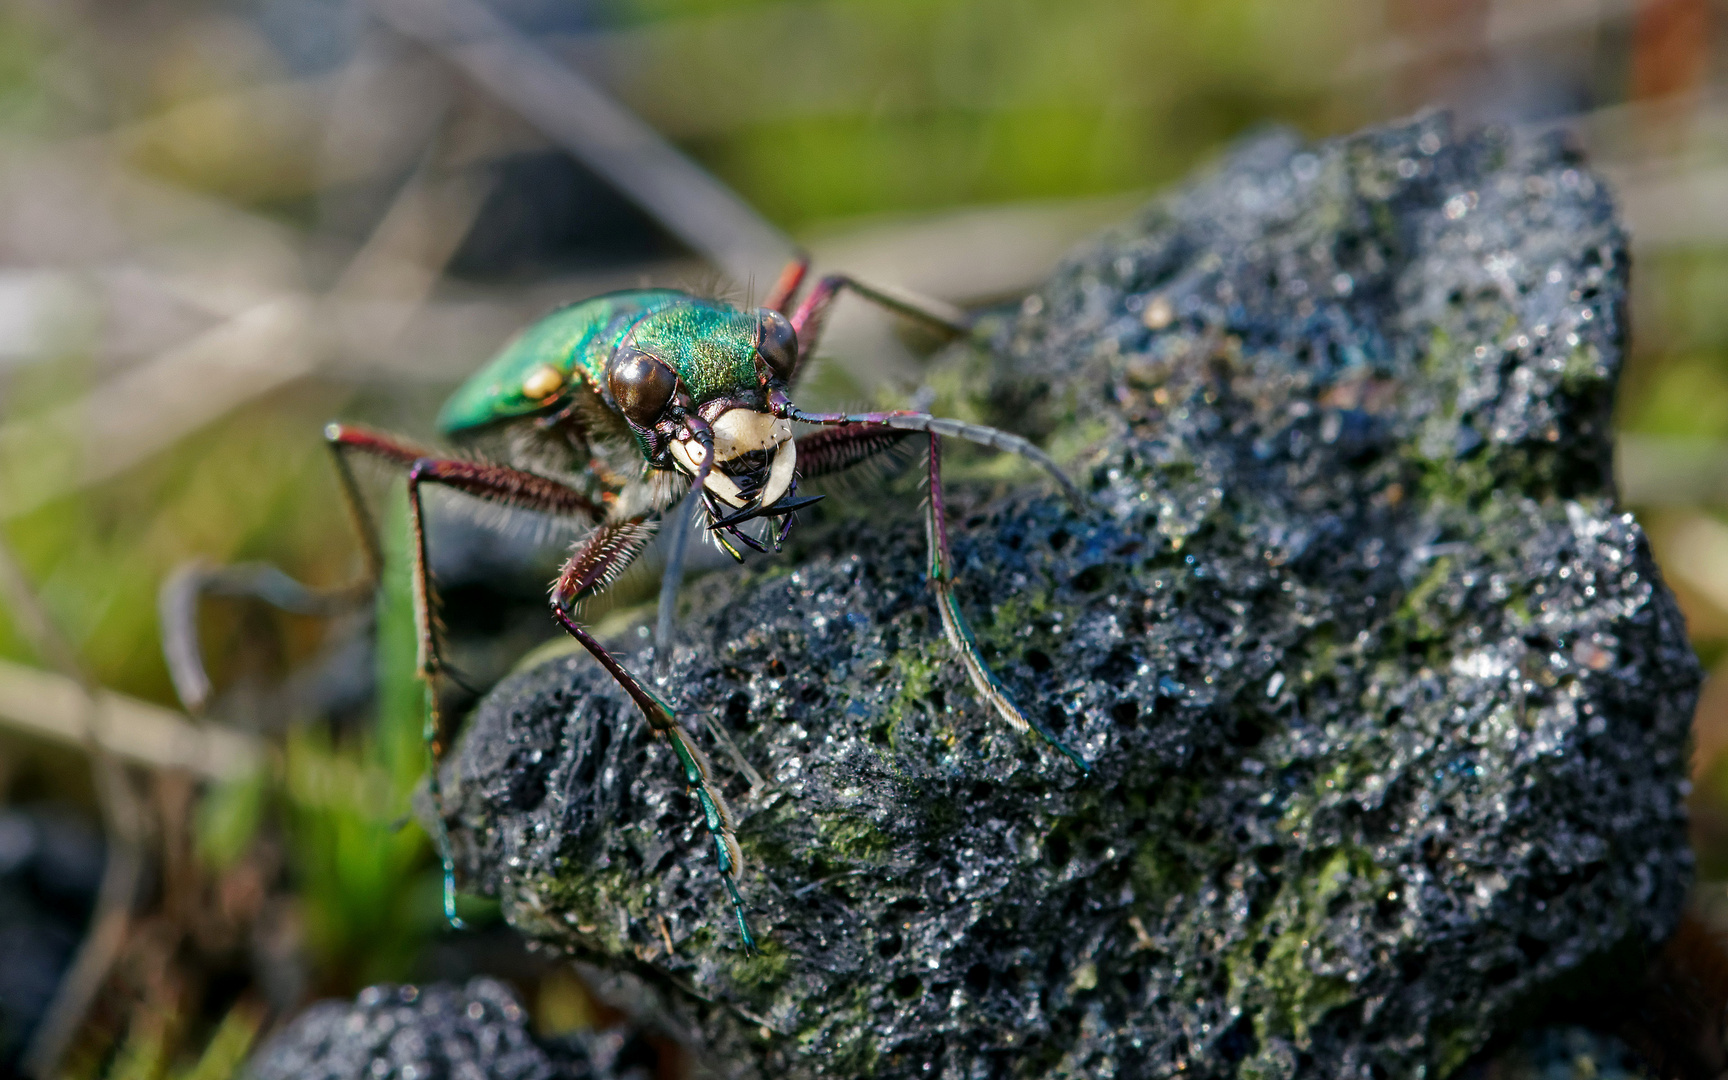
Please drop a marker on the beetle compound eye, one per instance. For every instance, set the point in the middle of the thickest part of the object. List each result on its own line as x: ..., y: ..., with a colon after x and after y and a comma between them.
x: 542, y: 383
x: 776, y: 342
x: 640, y: 384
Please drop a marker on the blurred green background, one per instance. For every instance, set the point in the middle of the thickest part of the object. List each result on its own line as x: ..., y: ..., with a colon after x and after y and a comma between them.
x: 224, y: 222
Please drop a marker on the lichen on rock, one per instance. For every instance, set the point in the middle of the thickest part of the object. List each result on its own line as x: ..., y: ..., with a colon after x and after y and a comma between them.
x: 1386, y: 701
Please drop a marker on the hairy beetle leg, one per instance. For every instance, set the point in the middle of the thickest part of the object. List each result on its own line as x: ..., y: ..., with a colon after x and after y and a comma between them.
x: 848, y: 439
x: 598, y: 560
x: 493, y: 483
x: 989, y: 687
x: 595, y: 562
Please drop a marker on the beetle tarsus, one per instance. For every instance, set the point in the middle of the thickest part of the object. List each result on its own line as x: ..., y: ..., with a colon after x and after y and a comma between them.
x: 984, y: 680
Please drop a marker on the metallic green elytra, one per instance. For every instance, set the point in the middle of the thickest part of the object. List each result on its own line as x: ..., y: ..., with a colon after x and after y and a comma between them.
x: 710, y: 345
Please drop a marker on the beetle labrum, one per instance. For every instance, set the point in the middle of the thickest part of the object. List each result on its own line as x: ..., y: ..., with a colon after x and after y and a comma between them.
x: 617, y: 409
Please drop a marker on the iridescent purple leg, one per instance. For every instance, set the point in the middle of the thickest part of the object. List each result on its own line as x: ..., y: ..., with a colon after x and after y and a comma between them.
x: 494, y: 483
x: 854, y: 439
x: 599, y: 559
x: 808, y: 319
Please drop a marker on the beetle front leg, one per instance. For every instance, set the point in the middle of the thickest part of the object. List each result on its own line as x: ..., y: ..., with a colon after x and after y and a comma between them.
x: 599, y: 559
x: 989, y: 687
x: 852, y: 439
x: 907, y: 420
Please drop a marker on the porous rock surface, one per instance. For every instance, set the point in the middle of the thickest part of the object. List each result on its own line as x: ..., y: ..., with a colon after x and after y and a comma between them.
x: 1386, y: 701
x: 1563, y: 1053
x: 478, y: 1031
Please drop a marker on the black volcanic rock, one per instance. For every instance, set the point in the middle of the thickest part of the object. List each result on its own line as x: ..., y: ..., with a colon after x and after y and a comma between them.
x: 1386, y: 700
x: 478, y: 1031
x: 51, y: 863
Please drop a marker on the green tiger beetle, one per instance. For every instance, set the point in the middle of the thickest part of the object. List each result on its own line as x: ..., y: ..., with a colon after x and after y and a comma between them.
x: 617, y: 409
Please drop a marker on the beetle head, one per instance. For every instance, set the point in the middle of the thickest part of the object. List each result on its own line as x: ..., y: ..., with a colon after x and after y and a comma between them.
x: 694, y: 379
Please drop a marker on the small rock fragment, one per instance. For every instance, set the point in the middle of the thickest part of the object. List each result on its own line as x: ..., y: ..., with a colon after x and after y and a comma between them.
x: 437, y: 1032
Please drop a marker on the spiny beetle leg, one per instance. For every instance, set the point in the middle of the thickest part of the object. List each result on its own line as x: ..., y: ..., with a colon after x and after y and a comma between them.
x: 594, y: 564
x: 785, y: 290
x: 850, y: 439
x: 989, y: 687
x: 813, y: 312
x: 494, y: 483
x: 907, y: 420
x: 836, y: 449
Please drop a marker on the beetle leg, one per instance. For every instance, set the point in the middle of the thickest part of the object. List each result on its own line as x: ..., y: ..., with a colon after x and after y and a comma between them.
x: 853, y: 439
x: 906, y: 420
x: 786, y: 289
x: 495, y: 483
x: 595, y: 562
x: 177, y: 613
x: 482, y: 480
x: 835, y: 449
x: 989, y: 687
x: 181, y: 594
x: 813, y: 312
x: 343, y: 439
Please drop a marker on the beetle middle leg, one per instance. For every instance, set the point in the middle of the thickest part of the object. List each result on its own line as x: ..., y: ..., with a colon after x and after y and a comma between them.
x: 494, y: 483
x: 593, y: 566
x: 483, y: 480
x: 809, y: 316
